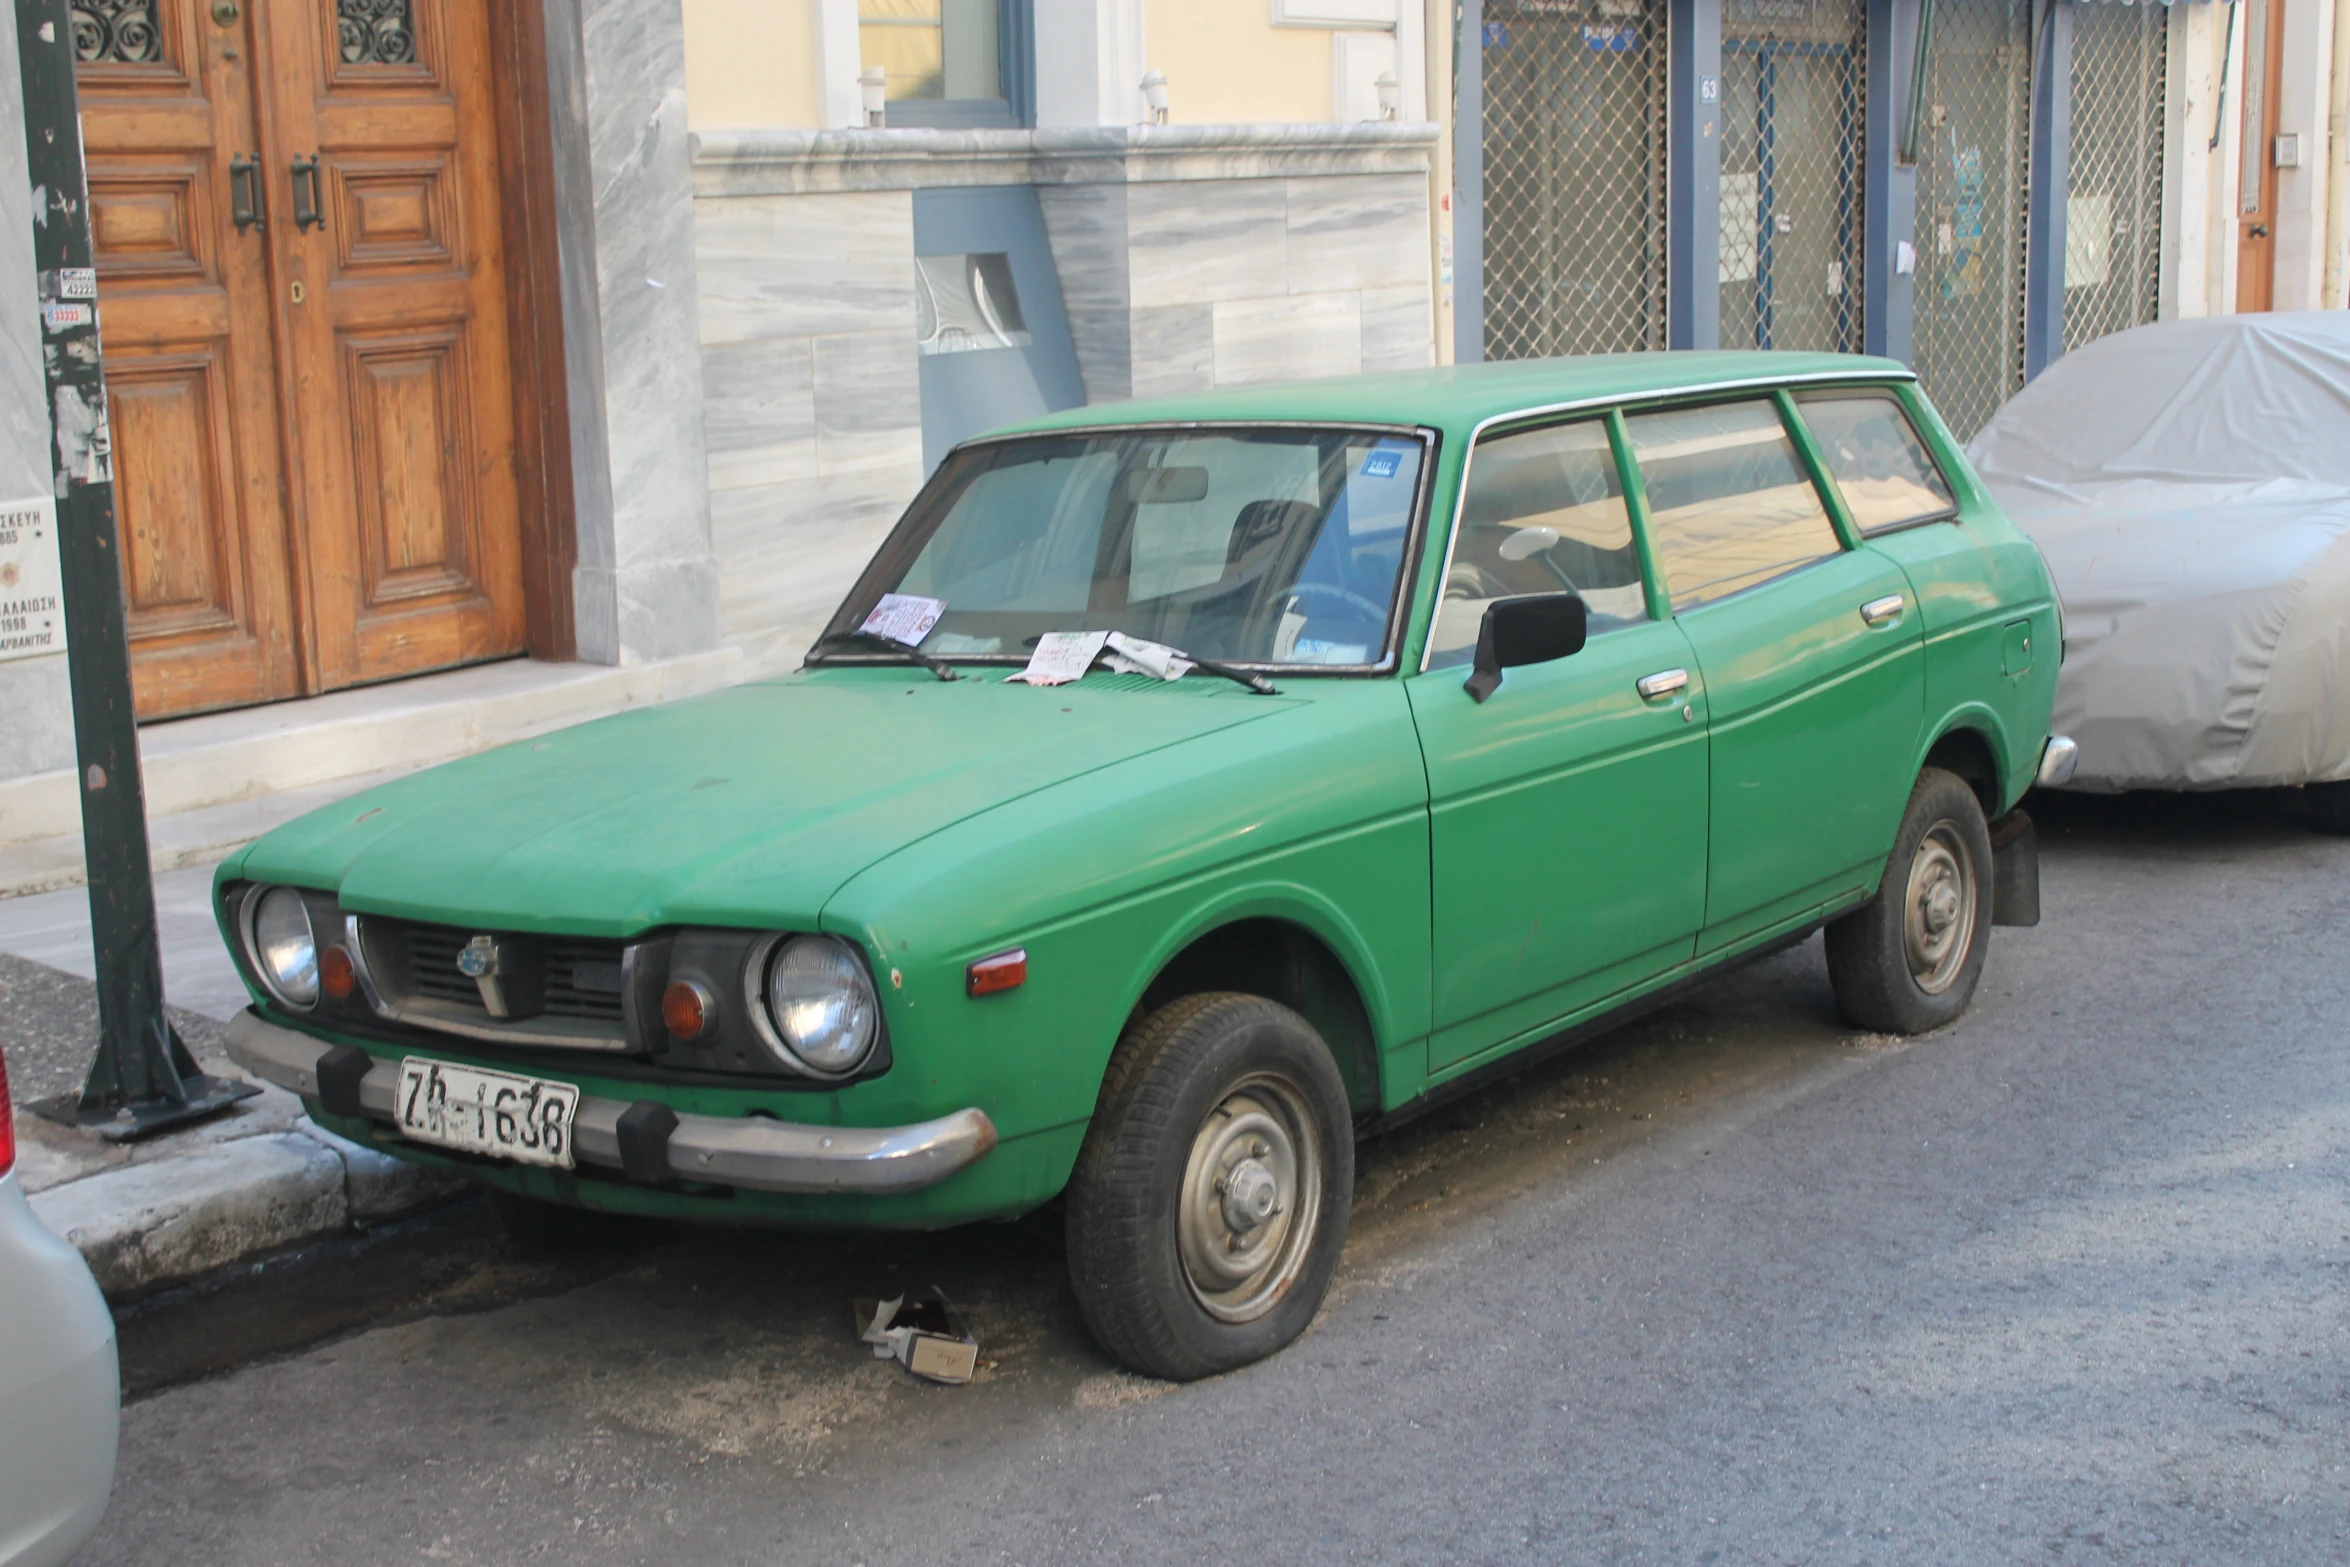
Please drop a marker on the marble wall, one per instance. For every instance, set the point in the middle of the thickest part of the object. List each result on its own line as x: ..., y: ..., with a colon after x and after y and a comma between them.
x: 1185, y: 285
x: 646, y: 584
x: 1189, y: 257
x: 812, y: 396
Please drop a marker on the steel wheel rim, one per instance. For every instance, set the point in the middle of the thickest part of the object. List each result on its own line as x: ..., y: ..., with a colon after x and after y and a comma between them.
x: 1251, y: 1199
x: 1938, y: 913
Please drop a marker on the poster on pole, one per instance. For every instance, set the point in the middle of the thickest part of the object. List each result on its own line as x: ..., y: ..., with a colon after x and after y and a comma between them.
x: 32, y: 613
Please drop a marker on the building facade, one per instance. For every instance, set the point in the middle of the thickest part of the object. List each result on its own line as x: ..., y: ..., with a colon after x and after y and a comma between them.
x: 477, y: 367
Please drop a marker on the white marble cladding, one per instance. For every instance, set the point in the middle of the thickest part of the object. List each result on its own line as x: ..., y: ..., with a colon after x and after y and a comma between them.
x: 813, y: 401
x: 799, y: 162
x: 1189, y: 257
x: 1184, y: 286
x: 646, y: 584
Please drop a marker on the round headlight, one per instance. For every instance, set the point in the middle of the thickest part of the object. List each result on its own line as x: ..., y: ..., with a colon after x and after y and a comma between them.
x: 819, y: 1005
x: 283, y: 949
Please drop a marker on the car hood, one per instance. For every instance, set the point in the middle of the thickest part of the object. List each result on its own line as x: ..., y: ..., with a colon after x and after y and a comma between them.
x: 743, y: 807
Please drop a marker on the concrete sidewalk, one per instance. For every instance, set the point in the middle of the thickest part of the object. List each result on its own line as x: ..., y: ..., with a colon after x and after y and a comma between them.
x: 148, y: 1214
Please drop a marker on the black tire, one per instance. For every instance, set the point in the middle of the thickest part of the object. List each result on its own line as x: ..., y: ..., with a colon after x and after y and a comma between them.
x: 1211, y: 1083
x: 2326, y: 806
x: 551, y: 1229
x: 1890, y: 960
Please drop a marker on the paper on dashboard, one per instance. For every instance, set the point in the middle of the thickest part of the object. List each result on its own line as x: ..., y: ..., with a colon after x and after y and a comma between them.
x: 1133, y: 656
x: 903, y: 618
x: 1062, y: 656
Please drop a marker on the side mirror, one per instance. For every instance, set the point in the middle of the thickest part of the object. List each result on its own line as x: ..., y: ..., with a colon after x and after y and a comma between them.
x: 1533, y: 629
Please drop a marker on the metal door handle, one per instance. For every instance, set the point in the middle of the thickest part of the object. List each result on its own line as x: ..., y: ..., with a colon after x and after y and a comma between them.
x: 1884, y: 611
x: 306, y: 213
x: 244, y: 193
x: 1664, y: 682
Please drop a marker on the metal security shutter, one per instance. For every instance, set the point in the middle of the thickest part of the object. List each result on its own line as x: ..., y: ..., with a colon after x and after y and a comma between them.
x: 1971, y: 193
x: 2113, y: 190
x: 1574, y: 150
x: 1792, y: 117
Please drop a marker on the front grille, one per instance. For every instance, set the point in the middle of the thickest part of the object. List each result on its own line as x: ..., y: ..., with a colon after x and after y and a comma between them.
x: 583, y: 979
x: 556, y: 989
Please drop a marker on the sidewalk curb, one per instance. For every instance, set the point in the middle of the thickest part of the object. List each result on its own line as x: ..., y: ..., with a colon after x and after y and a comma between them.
x: 261, y: 1177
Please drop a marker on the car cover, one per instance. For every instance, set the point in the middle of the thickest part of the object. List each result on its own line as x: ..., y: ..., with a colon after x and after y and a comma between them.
x: 2189, y: 486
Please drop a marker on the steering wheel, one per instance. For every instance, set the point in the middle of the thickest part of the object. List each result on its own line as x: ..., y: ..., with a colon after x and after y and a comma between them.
x: 1377, y: 612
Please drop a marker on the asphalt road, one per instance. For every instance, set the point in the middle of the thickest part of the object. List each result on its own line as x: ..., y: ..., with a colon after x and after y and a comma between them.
x: 2063, y: 1283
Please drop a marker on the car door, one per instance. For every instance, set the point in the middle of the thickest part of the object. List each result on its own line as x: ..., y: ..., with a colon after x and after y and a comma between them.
x: 1567, y: 811
x: 1812, y: 660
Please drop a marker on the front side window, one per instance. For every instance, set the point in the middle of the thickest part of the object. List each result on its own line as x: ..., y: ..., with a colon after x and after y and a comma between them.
x: 1873, y: 453
x: 1542, y: 512
x: 1258, y: 546
x: 1729, y: 504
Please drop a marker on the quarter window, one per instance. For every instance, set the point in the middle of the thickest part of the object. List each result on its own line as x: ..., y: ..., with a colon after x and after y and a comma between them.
x: 1729, y: 504
x: 1544, y: 513
x: 1881, y: 468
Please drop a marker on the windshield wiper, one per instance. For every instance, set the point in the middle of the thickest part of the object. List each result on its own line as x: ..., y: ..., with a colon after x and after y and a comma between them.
x: 936, y: 666
x: 1257, y: 683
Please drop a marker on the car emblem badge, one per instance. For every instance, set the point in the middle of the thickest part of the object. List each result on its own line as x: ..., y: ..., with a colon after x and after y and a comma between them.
x: 477, y: 960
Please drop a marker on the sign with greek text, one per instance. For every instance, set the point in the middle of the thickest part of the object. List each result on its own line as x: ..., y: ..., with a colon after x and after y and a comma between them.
x: 32, y: 604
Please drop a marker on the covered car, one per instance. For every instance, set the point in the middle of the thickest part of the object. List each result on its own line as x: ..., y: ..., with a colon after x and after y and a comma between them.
x: 2189, y: 486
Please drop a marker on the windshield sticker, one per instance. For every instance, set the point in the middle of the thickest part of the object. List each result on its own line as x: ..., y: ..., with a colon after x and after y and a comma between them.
x: 1062, y: 656
x: 903, y: 618
x: 1382, y: 463
x: 1133, y: 656
x: 1313, y: 650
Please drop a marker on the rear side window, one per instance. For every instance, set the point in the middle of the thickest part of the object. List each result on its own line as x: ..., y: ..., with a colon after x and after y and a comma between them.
x: 1729, y: 504
x: 1880, y: 466
x: 1543, y: 513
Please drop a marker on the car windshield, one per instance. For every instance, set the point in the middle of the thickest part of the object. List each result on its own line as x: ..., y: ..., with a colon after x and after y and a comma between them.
x: 1257, y: 546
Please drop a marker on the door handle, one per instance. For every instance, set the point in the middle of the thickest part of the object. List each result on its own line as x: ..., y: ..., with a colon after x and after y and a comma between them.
x: 2259, y: 231
x: 1665, y: 682
x: 306, y: 213
x: 1884, y: 611
x: 244, y: 193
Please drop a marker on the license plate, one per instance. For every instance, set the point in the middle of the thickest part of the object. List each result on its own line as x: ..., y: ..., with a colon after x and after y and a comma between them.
x: 503, y: 1114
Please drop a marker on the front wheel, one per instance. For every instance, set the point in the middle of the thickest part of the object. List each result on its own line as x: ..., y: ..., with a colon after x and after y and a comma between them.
x: 1211, y: 1199
x: 1908, y: 959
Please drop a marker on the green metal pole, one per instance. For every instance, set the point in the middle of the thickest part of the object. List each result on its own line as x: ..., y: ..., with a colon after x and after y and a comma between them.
x: 143, y: 1078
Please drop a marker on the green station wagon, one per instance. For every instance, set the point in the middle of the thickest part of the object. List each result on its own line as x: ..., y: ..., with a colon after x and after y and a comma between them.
x: 1447, y: 717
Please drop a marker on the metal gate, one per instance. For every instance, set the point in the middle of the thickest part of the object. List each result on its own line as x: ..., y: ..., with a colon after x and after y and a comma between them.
x: 1574, y: 149
x: 2113, y: 190
x: 1969, y: 343
x: 1792, y: 75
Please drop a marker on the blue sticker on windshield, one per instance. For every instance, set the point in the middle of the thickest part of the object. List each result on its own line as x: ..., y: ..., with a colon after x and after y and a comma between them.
x: 1382, y: 464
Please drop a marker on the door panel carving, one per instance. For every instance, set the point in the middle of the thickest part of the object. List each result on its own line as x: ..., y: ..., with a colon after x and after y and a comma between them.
x: 167, y: 101
x: 313, y: 422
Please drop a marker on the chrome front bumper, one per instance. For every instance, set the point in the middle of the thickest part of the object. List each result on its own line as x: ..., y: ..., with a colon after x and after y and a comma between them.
x: 746, y: 1151
x: 2058, y: 759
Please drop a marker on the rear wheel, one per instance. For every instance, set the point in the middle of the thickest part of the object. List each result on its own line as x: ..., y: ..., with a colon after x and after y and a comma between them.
x: 1908, y: 959
x: 2327, y: 805
x: 1211, y: 1199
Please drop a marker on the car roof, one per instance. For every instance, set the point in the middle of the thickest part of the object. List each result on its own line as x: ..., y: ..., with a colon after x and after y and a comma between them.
x: 1458, y: 398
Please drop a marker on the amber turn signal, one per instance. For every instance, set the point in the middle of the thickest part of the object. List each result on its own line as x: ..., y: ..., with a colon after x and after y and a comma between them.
x: 688, y: 1010
x: 1004, y: 971
x: 336, y: 976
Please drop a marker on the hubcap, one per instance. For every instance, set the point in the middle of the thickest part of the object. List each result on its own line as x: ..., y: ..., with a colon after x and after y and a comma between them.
x: 1939, y: 912
x: 1251, y: 1199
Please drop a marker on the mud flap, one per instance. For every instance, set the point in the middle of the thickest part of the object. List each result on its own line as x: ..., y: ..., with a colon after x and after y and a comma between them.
x: 2015, y: 870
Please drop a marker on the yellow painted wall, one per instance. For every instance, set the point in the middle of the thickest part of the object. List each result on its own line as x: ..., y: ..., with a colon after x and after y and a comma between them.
x: 751, y: 64
x: 1226, y: 61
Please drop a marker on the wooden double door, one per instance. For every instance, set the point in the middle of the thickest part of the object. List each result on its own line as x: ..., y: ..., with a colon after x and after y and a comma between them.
x: 305, y: 318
